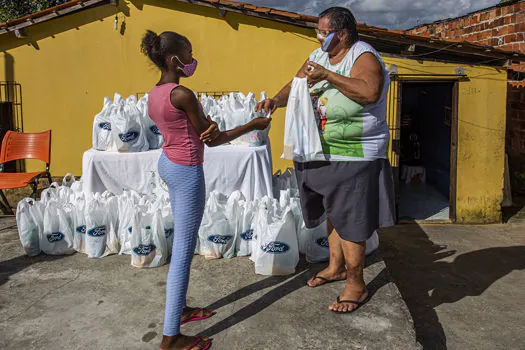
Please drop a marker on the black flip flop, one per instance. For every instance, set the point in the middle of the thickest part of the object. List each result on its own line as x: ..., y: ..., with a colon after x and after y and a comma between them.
x: 358, y: 304
x: 326, y: 280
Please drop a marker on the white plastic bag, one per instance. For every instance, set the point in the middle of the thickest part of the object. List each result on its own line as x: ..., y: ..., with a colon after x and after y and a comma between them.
x: 316, y: 239
x: 283, y: 181
x: 57, y: 236
x: 29, y: 221
x: 278, y: 252
x: 127, y: 214
x: 68, y: 180
x: 79, y: 223
x: 126, y: 126
x: 301, y: 134
x: 148, y: 241
x: 244, y: 241
x: 102, y: 135
x: 153, y: 135
x: 216, y: 234
x: 50, y: 193
x: 243, y: 111
x: 77, y: 187
x: 101, y: 237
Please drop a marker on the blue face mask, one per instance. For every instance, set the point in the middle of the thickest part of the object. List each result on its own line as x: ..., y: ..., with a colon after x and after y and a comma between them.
x: 328, y: 41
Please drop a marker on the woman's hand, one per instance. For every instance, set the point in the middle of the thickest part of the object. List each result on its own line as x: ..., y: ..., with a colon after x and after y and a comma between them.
x: 211, y: 133
x: 260, y: 123
x: 268, y: 105
x: 315, y: 73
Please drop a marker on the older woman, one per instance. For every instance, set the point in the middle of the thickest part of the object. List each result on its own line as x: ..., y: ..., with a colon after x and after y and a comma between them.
x: 353, y: 189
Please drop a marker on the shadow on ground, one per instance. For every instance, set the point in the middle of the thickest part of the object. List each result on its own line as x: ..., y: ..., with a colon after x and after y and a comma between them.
x: 284, y: 285
x: 20, y: 263
x: 425, y: 281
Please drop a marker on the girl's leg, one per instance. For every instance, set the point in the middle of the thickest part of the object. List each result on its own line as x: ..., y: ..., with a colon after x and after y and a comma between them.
x: 187, y: 197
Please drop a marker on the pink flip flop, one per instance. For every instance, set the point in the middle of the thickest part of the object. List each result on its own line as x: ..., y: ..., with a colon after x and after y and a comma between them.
x: 194, y: 318
x: 199, y: 339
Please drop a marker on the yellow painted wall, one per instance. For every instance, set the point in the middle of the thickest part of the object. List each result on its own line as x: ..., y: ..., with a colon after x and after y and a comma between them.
x: 66, y: 67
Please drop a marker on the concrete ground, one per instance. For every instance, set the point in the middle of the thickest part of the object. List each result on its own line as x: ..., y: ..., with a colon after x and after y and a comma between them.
x: 78, y: 303
x: 464, y: 285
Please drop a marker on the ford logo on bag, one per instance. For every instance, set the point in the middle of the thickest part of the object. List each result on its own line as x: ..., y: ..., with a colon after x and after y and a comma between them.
x: 168, y: 232
x: 105, y: 126
x: 130, y: 229
x: 81, y: 229
x: 220, y: 239
x: 248, y: 235
x: 144, y: 249
x: 275, y: 248
x: 155, y: 130
x: 129, y: 136
x: 97, y: 231
x: 322, y: 242
x: 55, y: 237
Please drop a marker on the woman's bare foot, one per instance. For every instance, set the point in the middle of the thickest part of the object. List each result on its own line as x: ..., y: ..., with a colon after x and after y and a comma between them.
x: 195, y: 314
x: 352, y: 297
x: 326, y: 276
x: 182, y: 342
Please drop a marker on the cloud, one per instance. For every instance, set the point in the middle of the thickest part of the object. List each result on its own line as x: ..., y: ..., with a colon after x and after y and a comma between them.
x: 400, y: 14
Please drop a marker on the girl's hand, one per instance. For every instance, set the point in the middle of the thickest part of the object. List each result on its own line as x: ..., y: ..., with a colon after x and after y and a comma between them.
x: 211, y: 133
x: 260, y: 123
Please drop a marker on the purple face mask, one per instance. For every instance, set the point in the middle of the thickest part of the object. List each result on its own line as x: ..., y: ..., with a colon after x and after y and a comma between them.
x: 188, y: 69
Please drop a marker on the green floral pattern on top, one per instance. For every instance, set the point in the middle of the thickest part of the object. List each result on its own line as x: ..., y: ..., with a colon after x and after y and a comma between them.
x: 349, y: 131
x: 340, y: 122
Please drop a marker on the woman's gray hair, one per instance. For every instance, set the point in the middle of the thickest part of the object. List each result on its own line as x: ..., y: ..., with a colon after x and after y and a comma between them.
x: 341, y: 18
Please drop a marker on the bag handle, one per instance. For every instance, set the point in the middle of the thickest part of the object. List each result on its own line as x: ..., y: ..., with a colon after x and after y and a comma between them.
x: 70, y: 182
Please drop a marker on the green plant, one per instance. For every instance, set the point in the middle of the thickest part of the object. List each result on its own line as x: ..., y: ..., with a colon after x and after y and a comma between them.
x: 11, y: 9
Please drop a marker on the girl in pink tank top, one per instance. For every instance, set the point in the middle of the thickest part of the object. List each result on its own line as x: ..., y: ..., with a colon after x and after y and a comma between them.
x: 180, y: 118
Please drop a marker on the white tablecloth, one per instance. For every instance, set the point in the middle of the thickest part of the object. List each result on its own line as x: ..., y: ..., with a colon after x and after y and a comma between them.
x: 226, y: 169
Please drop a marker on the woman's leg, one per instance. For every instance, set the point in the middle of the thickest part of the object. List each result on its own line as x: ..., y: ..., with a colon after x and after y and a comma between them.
x: 336, y: 269
x: 187, y: 197
x: 355, y: 288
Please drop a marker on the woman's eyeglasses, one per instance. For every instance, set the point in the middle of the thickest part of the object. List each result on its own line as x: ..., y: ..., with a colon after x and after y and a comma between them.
x: 324, y: 33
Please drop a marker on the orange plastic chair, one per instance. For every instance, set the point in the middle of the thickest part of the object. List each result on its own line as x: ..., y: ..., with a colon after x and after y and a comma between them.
x: 18, y: 146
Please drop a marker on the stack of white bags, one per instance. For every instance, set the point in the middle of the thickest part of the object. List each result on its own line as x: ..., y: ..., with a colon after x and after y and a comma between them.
x: 234, y: 110
x: 124, y: 125
x: 270, y: 230
x: 66, y: 220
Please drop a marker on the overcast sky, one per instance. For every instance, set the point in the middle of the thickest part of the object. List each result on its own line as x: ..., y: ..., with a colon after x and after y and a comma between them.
x: 398, y: 14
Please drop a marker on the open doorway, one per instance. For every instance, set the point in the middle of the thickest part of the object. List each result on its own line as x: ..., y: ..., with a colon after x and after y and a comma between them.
x: 426, y: 145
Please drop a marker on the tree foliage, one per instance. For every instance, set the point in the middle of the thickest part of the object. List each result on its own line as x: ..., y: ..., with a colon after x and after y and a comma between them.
x: 11, y: 9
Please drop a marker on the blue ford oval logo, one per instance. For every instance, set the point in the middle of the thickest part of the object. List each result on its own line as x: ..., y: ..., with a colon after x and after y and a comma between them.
x: 275, y: 248
x: 129, y: 136
x: 55, y: 237
x: 130, y: 229
x: 155, y: 130
x: 220, y: 239
x: 322, y: 242
x: 105, y: 126
x: 248, y: 235
x: 97, y: 231
x: 169, y: 232
x: 144, y: 249
x: 81, y: 229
